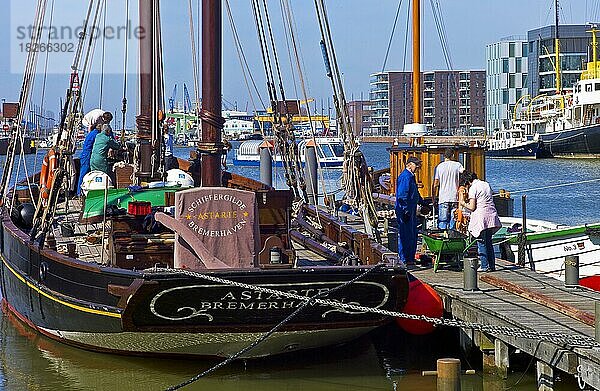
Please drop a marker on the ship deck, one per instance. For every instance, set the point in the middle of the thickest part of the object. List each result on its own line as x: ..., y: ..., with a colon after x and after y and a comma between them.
x: 89, y: 241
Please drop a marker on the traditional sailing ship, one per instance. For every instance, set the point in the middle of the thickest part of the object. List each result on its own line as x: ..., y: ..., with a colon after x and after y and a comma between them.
x: 203, y: 271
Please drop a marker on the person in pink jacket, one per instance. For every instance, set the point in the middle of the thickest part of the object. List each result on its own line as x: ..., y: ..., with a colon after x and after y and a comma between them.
x: 484, y: 220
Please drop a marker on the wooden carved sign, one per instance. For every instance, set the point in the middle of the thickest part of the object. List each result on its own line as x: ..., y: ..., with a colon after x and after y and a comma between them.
x: 224, y: 220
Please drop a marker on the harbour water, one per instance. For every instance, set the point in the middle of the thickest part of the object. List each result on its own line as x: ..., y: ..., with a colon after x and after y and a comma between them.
x: 384, y: 360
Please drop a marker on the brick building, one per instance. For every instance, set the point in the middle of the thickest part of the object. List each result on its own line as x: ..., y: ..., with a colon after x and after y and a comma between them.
x: 452, y: 101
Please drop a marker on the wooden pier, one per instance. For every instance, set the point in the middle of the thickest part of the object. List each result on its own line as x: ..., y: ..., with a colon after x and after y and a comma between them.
x: 523, y: 299
x: 520, y: 298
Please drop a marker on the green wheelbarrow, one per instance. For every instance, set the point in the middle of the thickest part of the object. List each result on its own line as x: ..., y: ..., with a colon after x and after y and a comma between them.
x: 447, y: 246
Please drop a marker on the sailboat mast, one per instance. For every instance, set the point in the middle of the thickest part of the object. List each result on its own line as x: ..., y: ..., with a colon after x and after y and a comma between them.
x: 145, y: 116
x: 212, y: 121
x: 557, y: 49
x: 416, y: 49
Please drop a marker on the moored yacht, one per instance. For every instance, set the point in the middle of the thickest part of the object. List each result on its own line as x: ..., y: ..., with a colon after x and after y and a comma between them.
x: 514, y: 143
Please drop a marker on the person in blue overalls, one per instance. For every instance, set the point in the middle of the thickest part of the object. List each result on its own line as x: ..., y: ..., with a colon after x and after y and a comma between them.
x: 407, y: 199
x: 93, y: 121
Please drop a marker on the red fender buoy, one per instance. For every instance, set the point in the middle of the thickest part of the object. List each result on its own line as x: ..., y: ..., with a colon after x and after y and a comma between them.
x: 592, y: 282
x: 422, y: 300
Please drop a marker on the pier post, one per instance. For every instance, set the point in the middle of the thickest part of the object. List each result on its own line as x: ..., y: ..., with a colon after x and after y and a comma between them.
x: 523, y: 238
x: 266, y: 164
x: 470, y: 273
x: 501, y: 358
x: 597, y: 320
x: 311, y: 173
x: 448, y: 374
x: 545, y: 376
x: 571, y: 270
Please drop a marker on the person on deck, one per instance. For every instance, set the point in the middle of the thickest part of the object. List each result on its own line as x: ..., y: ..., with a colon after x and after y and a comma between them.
x: 407, y: 199
x: 445, y: 185
x: 104, y: 142
x: 170, y: 160
x: 484, y: 220
x: 93, y: 121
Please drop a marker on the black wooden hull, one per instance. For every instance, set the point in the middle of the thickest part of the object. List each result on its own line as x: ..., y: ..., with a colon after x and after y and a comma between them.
x: 122, y: 311
x: 579, y: 142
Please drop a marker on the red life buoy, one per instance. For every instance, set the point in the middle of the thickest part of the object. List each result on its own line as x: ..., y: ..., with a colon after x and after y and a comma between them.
x: 47, y: 174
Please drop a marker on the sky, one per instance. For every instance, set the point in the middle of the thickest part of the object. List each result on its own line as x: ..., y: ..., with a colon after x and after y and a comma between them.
x: 361, y: 30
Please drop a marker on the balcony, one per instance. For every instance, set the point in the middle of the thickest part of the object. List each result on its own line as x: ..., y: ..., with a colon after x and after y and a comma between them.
x: 379, y: 77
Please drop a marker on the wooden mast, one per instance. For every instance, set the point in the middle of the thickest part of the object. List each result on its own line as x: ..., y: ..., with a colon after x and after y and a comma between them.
x: 146, y: 115
x: 416, y: 55
x: 211, y: 146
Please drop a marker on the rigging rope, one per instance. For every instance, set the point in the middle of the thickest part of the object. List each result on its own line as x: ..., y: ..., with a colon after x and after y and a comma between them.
x: 26, y: 90
x: 283, y: 128
x: 103, y: 57
x: 357, y: 180
x: 194, y: 60
x: 244, y: 65
x: 70, y: 124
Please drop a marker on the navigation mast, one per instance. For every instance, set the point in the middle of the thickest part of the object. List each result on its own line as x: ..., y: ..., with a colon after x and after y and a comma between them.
x: 416, y: 50
x: 416, y: 129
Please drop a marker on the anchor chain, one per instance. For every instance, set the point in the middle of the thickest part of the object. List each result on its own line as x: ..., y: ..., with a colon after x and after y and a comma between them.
x: 557, y: 338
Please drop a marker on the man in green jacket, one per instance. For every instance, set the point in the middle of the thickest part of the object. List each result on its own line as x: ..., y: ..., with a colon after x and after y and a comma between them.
x: 104, y: 142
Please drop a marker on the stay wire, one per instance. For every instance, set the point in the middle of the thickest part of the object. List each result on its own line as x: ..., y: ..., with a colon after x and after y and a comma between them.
x: 387, y: 52
x: 273, y: 330
x: 248, y: 78
x: 554, y: 186
x: 406, y: 36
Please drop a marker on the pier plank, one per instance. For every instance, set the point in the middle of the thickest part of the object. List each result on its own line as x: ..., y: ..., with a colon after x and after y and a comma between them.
x: 494, y: 306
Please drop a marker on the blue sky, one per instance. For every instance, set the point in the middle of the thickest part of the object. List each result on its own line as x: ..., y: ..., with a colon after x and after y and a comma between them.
x: 361, y: 30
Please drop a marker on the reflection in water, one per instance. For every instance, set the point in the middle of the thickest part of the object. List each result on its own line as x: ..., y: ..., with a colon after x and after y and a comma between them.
x: 385, y: 360
x: 34, y: 362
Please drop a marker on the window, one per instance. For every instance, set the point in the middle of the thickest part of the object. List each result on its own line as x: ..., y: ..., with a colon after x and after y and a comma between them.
x: 505, y: 96
x: 525, y: 49
x: 518, y: 64
x: 511, y: 49
x: 505, y: 65
x: 511, y: 81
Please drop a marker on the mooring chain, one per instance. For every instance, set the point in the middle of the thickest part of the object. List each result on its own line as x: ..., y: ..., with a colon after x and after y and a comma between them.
x: 558, y: 338
x: 273, y: 330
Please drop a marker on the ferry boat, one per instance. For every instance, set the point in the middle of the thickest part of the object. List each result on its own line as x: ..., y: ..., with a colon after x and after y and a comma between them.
x: 330, y: 152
